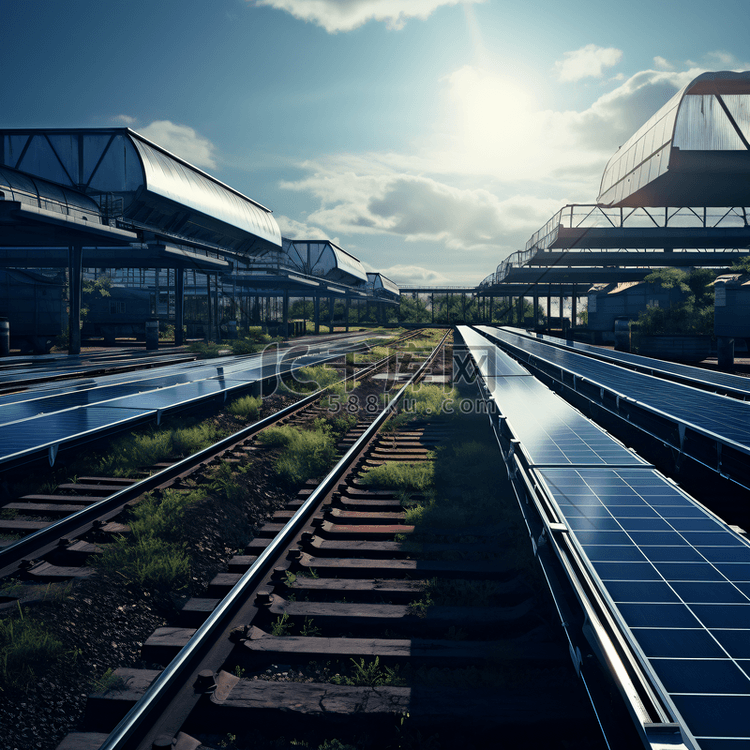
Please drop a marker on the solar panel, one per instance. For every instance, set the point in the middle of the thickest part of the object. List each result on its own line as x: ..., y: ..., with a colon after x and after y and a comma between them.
x: 687, y: 612
x: 720, y: 416
x: 674, y: 575
x: 491, y: 361
x: 38, y: 417
x: 39, y: 432
x: 550, y: 430
x: 699, y: 377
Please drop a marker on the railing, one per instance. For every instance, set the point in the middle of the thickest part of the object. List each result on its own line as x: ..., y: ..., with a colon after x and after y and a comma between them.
x: 592, y: 215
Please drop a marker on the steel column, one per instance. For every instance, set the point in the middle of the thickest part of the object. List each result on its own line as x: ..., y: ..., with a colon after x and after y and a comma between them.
x: 75, y: 287
x: 179, y: 306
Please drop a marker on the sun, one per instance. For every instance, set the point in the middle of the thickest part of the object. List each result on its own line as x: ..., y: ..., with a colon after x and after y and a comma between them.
x: 492, y: 118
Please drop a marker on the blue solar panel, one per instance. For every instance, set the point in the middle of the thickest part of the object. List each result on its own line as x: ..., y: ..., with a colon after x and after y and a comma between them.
x: 718, y: 415
x: 688, y: 613
x: 37, y: 418
x: 701, y: 378
x: 49, y: 429
x: 551, y: 432
x: 492, y: 362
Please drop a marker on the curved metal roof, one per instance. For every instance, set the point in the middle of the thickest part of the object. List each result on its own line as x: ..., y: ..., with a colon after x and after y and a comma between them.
x: 144, y: 184
x: 382, y: 283
x: 169, y: 177
x: 25, y: 189
x: 323, y: 258
x: 694, y: 151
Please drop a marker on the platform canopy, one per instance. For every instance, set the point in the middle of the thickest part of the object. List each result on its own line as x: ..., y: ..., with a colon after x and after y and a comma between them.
x: 322, y: 259
x: 695, y: 151
x: 144, y: 187
x: 35, y: 212
x: 382, y: 286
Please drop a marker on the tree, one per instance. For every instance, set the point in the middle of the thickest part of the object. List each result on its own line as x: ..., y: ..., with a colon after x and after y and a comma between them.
x: 693, y: 315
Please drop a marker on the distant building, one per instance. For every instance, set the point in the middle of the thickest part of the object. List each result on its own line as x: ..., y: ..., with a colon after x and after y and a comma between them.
x: 607, y: 302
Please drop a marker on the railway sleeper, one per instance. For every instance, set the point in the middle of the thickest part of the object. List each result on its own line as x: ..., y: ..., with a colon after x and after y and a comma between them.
x: 370, y: 589
x: 54, y: 509
x: 258, y: 648
x: 349, y: 711
x: 360, y: 620
x: 352, y: 567
x: 364, y: 618
x: 97, y: 490
x: 47, y: 572
x: 64, y: 499
x: 363, y: 530
x: 397, y: 550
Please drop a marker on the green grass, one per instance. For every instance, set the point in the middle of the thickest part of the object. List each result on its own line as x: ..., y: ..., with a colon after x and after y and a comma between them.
x: 27, y: 650
x: 209, y: 350
x: 305, y: 454
x: 130, y: 453
x: 246, y: 406
x: 152, y: 556
x: 369, y: 674
x: 428, y: 400
x: 375, y: 354
x: 400, y: 475
x: 224, y: 480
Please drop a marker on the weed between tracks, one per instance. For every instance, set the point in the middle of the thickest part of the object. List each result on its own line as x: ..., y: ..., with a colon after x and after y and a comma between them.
x: 305, y: 454
x: 26, y: 648
x: 131, y: 453
x: 153, y: 556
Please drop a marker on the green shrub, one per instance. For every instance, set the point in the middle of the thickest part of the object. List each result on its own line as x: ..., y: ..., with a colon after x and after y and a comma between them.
x: 427, y: 400
x: 305, y: 453
x: 319, y: 376
x: 189, y: 440
x: 153, y: 564
x: 208, y: 350
x: 400, y: 475
x: 152, y: 555
x: 133, y: 452
x: 246, y: 406
x: 369, y: 674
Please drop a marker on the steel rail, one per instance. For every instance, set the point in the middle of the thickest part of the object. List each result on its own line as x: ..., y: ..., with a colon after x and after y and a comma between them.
x: 47, y: 539
x: 127, y: 731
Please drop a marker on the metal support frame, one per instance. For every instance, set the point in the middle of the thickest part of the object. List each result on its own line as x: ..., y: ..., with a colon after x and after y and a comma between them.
x: 179, y: 306
x: 75, y: 287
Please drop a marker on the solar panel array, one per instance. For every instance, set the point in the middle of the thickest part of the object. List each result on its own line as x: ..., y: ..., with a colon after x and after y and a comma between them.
x: 720, y: 417
x: 699, y: 377
x: 676, y: 578
x: 34, y: 419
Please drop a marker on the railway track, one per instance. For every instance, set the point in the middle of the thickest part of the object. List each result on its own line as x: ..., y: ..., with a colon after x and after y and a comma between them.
x: 44, y: 522
x: 343, y: 622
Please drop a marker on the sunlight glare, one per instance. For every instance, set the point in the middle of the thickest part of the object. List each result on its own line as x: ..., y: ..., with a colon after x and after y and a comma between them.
x: 493, y: 116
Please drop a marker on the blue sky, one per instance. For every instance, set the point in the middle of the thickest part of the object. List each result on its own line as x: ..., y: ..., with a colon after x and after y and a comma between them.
x: 430, y: 138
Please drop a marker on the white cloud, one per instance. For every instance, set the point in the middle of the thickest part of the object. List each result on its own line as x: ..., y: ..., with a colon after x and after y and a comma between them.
x: 662, y: 64
x: 414, y: 276
x: 386, y: 201
x: 299, y: 230
x: 493, y: 127
x: 587, y: 62
x: 491, y: 173
x: 123, y: 120
x: 182, y: 141
x: 347, y: 15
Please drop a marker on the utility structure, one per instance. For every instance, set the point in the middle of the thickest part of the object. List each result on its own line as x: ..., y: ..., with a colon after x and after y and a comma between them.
x: 675, y: 194
x: 111, y: 199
